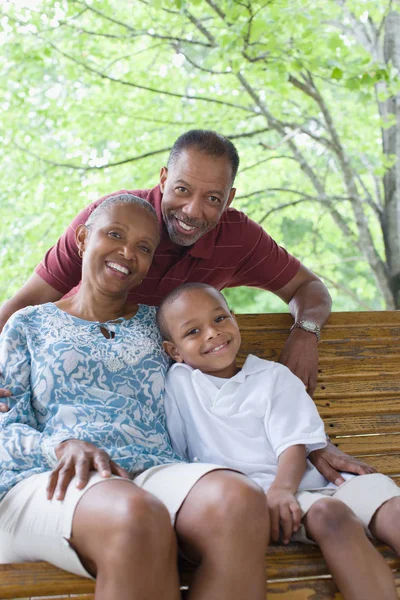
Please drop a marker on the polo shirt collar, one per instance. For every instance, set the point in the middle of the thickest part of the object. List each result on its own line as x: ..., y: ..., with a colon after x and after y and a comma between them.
x: 252, y: 365
x: 203, y: 248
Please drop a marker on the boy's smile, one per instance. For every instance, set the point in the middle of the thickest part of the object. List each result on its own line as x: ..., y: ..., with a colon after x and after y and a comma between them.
x: 203, y: 332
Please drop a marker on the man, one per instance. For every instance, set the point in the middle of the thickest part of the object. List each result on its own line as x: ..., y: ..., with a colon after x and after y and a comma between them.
x: 203, y: 239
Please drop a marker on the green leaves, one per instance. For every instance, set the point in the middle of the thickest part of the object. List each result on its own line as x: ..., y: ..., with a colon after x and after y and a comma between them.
x: 87, y: 85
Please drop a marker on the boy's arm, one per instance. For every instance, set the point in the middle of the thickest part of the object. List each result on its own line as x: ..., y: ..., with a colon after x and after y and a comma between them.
x: 282, y: 504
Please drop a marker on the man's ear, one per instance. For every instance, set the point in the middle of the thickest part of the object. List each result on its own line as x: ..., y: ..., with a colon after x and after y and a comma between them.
x: 231, y: 197
x: 172, y: 351
x: 163, y: 178
x: 81, y: 234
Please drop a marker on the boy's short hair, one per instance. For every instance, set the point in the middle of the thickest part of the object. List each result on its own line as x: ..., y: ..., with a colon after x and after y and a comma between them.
x: 174, y: 295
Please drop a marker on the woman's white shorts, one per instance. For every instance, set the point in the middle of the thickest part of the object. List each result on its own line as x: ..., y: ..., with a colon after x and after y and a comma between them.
x: 363, y: 494
x: 33, y: 528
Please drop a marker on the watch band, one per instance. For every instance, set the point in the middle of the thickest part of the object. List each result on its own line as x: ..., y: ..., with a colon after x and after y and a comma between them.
x: 309, y: 326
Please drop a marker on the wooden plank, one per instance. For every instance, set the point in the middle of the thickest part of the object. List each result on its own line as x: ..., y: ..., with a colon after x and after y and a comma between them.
x: 379, y: 423
x: 369, y: 366
x: 358, y: 387
x: 341, y: 320
x: 369, y: 444
x: 40, y: 579
x: 317, y: 589
x: 350, y: 406
x: 387, y: 464
x: 65, y: 597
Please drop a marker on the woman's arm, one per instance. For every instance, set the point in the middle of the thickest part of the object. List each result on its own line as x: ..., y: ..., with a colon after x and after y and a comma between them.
x: 22, y: 445
x: 283, y: 506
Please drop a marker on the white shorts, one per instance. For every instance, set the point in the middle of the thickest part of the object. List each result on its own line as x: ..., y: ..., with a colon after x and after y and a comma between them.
x: 33, y: 528
x: 363, y: 494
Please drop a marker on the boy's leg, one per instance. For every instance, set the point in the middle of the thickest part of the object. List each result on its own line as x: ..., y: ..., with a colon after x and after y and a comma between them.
x: 223, y: 524
x: 385, y: 524
x: 358, y: 569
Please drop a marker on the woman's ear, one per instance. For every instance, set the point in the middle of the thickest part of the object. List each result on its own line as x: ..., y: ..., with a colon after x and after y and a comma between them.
x: 172, y: 351
x: 80, y: 236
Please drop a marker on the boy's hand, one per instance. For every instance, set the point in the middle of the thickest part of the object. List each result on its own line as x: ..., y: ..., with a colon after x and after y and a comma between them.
x: 284, y: 512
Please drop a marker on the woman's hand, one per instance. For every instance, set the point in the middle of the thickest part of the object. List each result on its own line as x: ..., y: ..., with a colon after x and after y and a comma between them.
x: 284, y: 512
x: 4, y: 405
x: 77, y: 459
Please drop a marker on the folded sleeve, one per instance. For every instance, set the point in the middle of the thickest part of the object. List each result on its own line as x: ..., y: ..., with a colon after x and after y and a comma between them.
x: 292, y: 417
x: 175, y: 423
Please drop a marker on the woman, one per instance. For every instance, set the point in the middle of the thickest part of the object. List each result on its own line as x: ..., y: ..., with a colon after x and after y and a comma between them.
x: 87, y: 375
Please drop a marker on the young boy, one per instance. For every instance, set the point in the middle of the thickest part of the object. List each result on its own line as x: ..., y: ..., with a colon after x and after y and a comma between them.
x: 260, y: 420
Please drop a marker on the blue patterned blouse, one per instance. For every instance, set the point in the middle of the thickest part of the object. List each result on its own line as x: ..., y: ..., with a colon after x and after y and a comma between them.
x: 69, y: 381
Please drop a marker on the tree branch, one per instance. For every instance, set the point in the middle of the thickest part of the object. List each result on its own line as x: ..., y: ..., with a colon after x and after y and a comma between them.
x: 144, y: 87
x: 95, y: 168
x: 345, y: 290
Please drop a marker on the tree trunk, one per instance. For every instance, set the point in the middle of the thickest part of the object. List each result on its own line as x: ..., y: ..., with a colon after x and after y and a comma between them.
x: 390, y: 108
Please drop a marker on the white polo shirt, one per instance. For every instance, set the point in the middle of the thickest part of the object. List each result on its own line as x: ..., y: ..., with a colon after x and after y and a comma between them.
x: 244, y: 422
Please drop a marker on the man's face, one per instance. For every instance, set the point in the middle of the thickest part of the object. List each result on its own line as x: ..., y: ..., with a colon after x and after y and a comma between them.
x: 196, y: 190
x: 204, y: 334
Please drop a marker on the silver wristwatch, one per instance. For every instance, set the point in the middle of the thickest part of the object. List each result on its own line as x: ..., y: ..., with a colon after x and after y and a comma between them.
x: 309, y: 326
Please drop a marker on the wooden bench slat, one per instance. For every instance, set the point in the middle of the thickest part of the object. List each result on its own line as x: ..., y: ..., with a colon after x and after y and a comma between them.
x: 379, y: 423
x: 358, y: 388
x: 334, y: 371
x: 363, y: 445
x: 332, y: 407
x: 315, y: 589
x: 387, y: 464
x: 39, y: 579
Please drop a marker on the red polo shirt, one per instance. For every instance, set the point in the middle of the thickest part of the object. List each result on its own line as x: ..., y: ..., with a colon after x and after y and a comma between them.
x: 236, y: 252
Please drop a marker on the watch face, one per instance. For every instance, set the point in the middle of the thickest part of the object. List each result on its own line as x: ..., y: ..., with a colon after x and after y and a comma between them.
x: 309, y: 325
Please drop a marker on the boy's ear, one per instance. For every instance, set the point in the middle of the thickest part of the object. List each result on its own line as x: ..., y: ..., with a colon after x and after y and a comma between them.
x: 172, y: 351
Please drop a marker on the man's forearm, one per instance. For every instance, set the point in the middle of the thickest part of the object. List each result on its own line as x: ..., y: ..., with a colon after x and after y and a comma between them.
x: 311, y: 302
x: 35, y: 291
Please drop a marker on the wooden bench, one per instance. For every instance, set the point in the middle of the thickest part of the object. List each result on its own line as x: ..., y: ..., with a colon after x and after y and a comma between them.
x: 358, y: 396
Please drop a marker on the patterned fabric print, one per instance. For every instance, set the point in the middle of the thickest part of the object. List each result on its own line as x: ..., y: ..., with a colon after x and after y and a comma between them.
x: 69, y: 381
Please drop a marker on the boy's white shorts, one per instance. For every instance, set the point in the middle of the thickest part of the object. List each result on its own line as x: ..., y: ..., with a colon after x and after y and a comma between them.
x: 33, y: 528
x: 363, y: 494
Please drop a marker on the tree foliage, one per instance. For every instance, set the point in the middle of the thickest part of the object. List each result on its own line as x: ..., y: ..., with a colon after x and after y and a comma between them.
x: 95, y: 92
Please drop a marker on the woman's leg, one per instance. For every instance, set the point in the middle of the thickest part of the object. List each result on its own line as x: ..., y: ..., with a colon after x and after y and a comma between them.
x: 223, y: 524
x: 385, y: 524
x: 358, y: 569
x: 124, y: 536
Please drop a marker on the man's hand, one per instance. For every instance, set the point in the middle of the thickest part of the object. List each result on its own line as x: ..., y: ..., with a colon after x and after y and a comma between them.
x: 284, y: 512
x: 77, y: 459
x: 300, y: 355
x: 330, y: 460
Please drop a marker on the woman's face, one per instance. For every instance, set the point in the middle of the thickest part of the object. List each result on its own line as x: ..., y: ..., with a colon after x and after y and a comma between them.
x: 118, y: 247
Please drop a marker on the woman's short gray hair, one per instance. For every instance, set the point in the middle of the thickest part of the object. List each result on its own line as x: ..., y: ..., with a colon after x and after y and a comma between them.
x: 120, y: 199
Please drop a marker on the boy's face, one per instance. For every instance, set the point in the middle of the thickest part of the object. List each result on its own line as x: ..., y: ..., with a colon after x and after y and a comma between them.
x: 204, y: 333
